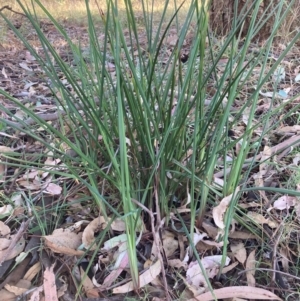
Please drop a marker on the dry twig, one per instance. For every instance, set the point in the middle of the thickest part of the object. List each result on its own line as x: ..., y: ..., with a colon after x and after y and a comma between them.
x: 15, y: 240
x: 158, y: 243
x: 9, y: 8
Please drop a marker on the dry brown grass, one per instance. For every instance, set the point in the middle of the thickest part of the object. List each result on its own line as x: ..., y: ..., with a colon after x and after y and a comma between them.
x: 290, y: 24
x: 73, y: 13
x: 75, y: 10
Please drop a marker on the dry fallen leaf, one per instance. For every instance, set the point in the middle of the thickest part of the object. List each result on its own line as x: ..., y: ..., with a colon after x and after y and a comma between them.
x: 35, y: 295
x: 4, y: 231
x: 49, y: 164
x: 2, y: 171
x: 229, y: 267
x: 25, y: 66
x: 53, y: 189
x: 34, y: 185
x: 212, y: 243
x: 144, y: 279
x: 118, y: 269
x: 118, y: 225
x: 6, y: 210
x: 197, y: 237
x: 7, y: 296
x: 30, y: 175
x: 119, y: 241
x: 170, y: 244
x: 50, y: 285
x: 238, y: 292
x: 210, y: 264
x: 172, y: 40
x: 219, y: 211
x: 88, y: 235
x: 242, y: 235
x: 5, y: 149
x: 239, y: 252
x: 29, y: 58
x: 89, y: 287
x: 64, y: 241
x: 4, y: 73
x: 110, y: 67
x: 17, y: 249
x: 210, y: 229
x: 258, y: 218
x: 194, y: 275
x: 284, y: 252
x: 297, y: 210
x: 62, y: 290
x: 33, y: 271
x: 289, y: 129
x: 177, y: 263
x: 285, y: 202
x: 20, y: 288
x: 265, y: 156
x: 250, y: 267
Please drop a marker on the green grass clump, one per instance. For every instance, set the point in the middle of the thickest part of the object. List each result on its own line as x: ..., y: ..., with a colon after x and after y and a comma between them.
x: 136, y: 121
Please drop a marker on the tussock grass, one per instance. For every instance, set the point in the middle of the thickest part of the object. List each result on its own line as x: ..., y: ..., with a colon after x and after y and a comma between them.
x: 149, y: 131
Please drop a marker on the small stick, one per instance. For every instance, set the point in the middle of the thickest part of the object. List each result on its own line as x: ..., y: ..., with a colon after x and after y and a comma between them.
x: 293, y: 141
x: 9, y: 8
x: 15, y: 240
x: 157, y: 242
